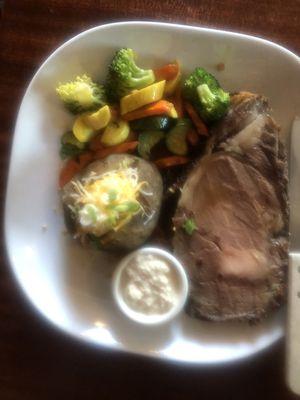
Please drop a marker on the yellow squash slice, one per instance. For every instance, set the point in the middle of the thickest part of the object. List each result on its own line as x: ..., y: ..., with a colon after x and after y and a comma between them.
x: 172, y: 84
x: 81, y: 131
x: 115, y: 133
x: 99, y: 119
x: 140, y: 98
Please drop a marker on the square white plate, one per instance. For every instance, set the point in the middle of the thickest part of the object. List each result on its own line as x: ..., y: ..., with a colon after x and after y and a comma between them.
x: 69, y: 285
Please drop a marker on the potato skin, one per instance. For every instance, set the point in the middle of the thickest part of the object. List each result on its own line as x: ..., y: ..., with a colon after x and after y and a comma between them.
x: 136, y: 232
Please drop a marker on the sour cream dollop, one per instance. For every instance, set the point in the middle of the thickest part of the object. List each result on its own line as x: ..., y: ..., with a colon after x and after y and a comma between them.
x: 150, y: 284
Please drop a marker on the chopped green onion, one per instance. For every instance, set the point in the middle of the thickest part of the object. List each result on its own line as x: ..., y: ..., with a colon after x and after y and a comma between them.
x: 94, y: 240
x: 128, y: 206
x: 112, y: 195
x: 189, y: 226
x: 113, y: 217
x: 134, y: 206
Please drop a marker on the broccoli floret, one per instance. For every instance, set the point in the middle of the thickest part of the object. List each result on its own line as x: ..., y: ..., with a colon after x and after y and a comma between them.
x: 124, y: 75
x: 82, y: 94
x: 204, y: 92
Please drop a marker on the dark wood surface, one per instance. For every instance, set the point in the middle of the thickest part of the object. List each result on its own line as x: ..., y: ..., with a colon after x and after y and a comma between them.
x: 38, y: 362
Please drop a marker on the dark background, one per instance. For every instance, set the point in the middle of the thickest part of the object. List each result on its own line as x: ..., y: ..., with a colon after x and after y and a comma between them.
x: 36, y: 361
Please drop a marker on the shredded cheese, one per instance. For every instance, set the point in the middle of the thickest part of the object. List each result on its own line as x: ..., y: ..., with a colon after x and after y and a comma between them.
x: 113, y: 195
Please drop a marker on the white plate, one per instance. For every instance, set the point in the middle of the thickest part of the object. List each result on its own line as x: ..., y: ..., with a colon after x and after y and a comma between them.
x: 70, y: 286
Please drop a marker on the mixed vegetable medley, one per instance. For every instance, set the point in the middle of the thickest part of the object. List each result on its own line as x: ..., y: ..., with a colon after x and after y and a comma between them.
x: 152, y: 113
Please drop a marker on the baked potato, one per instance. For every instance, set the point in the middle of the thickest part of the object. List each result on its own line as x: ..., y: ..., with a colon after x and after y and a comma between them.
x: 114, y: 202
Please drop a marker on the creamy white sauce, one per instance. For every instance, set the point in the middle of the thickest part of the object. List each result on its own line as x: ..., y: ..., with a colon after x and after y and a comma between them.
x: 149, y: 284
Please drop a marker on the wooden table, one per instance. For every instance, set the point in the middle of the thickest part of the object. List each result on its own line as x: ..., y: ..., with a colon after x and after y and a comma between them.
x: 38, y: 362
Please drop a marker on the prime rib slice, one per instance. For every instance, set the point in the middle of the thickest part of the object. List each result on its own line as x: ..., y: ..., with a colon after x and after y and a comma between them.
x: 236, y: 194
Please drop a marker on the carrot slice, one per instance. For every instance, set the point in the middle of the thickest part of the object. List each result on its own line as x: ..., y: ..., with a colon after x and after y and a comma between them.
x: 72, y: 167
x: 120, y: 148
x: 171, y: 161
x: 132, y: 137
x: 115, y: 111
x: 68, y: 171
x: 192, y: 137
x: 158, y: 108
x: 197, y: 121
x: 178, y: 103
x: 167, y: 72
x: 85, y: 158
x: 95, y: 143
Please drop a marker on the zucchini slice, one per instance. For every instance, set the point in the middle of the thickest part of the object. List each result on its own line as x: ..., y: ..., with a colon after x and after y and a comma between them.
x: 176, y: 138
x: 147, y: 140
x: 155, y: 123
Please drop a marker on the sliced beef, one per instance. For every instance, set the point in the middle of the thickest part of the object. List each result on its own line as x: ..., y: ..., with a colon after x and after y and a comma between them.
x: 237, y: 195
